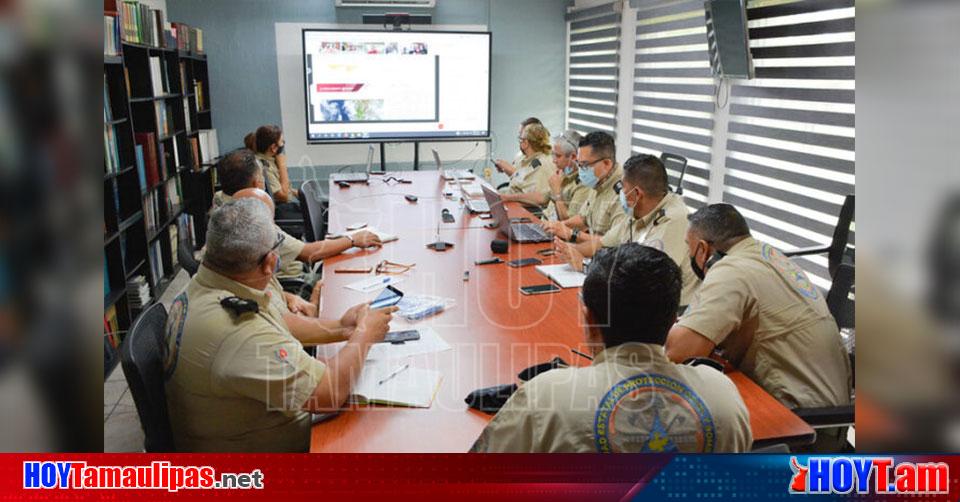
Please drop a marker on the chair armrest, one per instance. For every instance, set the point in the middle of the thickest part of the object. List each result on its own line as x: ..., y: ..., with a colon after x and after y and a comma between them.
x: 806, y: 251
x: 827, y: 416
x: 503, y: 185
x: 295, y: 286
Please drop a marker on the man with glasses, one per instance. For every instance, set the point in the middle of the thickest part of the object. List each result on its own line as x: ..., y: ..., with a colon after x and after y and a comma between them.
x: 566, y: 195
x: 655, y: 217
x: 597, y: 170
x: 631, y: 398
x: 237, y: 379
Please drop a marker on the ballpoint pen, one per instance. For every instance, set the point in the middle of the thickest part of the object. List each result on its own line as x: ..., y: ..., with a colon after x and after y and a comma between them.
x: 395, y: 373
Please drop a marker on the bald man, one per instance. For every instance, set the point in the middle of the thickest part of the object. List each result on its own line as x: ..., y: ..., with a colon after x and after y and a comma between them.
x: 301, y: 315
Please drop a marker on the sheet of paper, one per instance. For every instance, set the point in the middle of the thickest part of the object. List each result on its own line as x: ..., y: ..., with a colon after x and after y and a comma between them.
x: 408, y: 386
x: 375, y: 283
x: 430, y: 341
x: 384, y: 237
x: 564, y: 275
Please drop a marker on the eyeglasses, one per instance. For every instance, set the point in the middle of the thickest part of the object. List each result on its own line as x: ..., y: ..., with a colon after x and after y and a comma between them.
x: 387, y: 267
x: 280, y: 237
x: 584, y: 164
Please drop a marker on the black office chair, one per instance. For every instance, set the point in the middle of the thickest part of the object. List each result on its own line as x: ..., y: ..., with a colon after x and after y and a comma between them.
x: 838, y: 251
x: 314, y: 210
x: 843, y: 310
x: 141, y: 356
x: 667, y: 159
x: 186, y: 258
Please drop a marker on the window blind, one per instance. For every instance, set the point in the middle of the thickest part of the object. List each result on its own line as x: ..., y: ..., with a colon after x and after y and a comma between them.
x: 791, y: 132
x: 673, y: 100
x: 593, y: 58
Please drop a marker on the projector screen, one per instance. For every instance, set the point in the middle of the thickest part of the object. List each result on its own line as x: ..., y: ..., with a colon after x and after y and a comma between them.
x: 364, y: 85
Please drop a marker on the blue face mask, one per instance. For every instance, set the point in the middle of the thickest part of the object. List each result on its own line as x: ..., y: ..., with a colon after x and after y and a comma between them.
x: 567, y: 171
x: 276, y: 268
x: 624, y: 204
x: 587, y: 177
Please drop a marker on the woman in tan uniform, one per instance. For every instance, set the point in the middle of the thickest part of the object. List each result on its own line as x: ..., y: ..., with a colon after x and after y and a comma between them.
x: 531, y: 173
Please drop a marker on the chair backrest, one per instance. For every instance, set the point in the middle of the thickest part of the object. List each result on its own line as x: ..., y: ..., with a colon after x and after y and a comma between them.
x: 185, y: 257
x: 680, y: 165
x: 314, y: 211
x: 141, y: 356
x: 839, y: 249
x: 838, y: 298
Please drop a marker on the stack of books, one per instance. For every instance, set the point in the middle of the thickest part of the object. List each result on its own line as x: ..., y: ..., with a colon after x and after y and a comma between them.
x: 138, y: 292
x: 111, y: 36
x: 142, y: 25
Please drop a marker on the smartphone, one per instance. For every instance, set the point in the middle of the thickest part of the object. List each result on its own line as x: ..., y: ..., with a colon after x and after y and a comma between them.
x: 401, y: 336
x: 524, y: 262
x: 485, y: 216
x: 541, y: 289
x: 387, y: 298
x: 547, y: 252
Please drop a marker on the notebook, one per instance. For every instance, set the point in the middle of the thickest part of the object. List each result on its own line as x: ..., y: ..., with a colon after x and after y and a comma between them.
x: 392, y: 384
x: 564, y: 275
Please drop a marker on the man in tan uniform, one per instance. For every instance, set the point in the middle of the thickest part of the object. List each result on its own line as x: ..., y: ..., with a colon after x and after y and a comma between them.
x: 531, y: 172
x: 597, y: 170
x: 566, y: 195
x: 236, y: 378
x: 761, y: 310
x: 239, y: 170
x: 656, y: 217
x: 631, y: 398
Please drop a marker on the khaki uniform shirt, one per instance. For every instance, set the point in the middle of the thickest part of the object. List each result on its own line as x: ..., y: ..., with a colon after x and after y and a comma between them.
x: 235, y: 383
x: 531, y: 179
x: 664, y: 228
x: 271, y: 173
x: 573, y: 194
x: 631, y: 399
x: 290, y: 249
x: 762, y: 310
x: 601, y: 211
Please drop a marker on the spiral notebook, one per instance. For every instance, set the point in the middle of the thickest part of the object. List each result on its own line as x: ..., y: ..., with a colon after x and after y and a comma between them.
x: 393, y: 384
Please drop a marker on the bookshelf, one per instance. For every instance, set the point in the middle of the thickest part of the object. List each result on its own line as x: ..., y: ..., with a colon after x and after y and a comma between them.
x: 157, y: 181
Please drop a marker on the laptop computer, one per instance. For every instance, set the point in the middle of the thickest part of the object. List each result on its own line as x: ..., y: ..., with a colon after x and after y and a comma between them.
x: 475, y: 205
x: 517, y: 232
x: 361, y: 177
x: 452, y: 174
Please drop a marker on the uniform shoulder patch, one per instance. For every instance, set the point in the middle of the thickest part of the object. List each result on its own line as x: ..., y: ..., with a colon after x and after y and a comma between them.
x: 789, y: 270
x: 173, y: 334
x: 650, y: 412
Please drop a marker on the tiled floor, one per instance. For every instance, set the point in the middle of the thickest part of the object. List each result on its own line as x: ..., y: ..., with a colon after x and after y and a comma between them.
x: 121, y: 426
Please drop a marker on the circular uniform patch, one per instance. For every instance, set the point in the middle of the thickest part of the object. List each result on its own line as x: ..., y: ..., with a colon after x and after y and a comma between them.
x: 653, y: 413
x: 787, y: 268
x: 174, y: 332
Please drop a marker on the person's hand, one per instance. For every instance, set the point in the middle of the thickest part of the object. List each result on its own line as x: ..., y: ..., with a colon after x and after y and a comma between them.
x: 555, y: 181
x: 366, y: 239
x: 350, y: 317
x: 504, y: 167
x: 315, y: 294
x: 300, y: 306
x: 558, y: 229
x: 374, y: 323
x: 569, y: 253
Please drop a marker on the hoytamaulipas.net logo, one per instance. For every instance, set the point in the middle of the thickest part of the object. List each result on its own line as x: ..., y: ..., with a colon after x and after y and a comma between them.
x: 159, y: 475
x: 877, y: 475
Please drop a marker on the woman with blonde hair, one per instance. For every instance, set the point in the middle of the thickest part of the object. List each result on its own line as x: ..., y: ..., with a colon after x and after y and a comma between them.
x: 532, y: 171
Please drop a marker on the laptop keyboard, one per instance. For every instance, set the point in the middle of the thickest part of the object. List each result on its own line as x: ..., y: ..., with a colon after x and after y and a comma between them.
x: 529, y: 232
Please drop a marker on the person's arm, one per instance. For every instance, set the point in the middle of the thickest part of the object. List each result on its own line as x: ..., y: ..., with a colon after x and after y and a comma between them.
x: 344, y: 368
x: 313, y: 331
x: 528, y: 198
x: 575, y: 221
x: 300, y: 306
x: 315, y: 251
x: 505, y: 167
x: 284, y: 193
x: 684, y: 343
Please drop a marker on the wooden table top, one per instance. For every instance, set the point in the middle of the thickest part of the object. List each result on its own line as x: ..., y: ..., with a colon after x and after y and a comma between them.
x: 494, y: 331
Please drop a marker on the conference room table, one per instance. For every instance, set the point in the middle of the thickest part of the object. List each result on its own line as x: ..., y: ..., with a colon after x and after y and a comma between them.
x: 494, y: 331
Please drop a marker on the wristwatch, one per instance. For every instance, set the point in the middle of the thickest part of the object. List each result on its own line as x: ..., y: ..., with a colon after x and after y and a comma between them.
x: 348, y: 236
x: 573, y: 235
